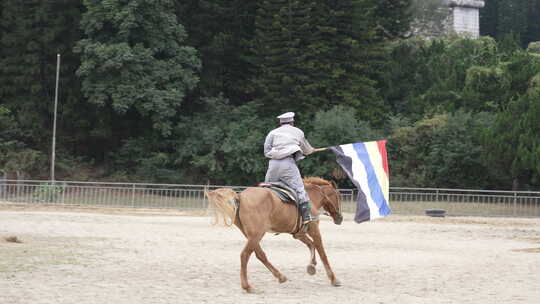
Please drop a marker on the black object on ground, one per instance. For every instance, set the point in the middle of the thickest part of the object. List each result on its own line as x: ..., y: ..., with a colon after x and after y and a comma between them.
x: 435, y: 212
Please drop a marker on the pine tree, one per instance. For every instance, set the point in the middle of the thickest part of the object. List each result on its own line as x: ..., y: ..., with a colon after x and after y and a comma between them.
x: 489, y: 18
x: 311, y: 56
x: 283, y: 28
x: 533, y: 26
x: 517, y: 17
x: 221, y: 31
x: 393, y: 18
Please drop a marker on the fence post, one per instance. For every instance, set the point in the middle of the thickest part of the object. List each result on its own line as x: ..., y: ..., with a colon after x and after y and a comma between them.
x: 515, y: 204
x: 2, y: 184
x: 64, y: 187
x: 437, y: 196
x: 133, y: 196
x: 17, y: 199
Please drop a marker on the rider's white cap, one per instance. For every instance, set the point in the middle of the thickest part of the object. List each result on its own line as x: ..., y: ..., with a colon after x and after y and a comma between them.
x: 286, y: 117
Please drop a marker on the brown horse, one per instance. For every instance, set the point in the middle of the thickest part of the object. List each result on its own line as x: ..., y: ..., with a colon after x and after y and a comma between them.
x: 258, y: 210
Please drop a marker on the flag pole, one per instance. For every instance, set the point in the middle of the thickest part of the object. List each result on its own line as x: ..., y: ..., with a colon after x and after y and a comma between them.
x: 53, y: 156
x: 320, y: 149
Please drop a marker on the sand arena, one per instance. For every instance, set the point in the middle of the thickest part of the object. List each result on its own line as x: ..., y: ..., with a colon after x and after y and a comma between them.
x: 70, y: 255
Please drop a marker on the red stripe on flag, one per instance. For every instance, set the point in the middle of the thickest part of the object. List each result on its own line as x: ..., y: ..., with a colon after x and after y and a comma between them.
x: 382, y: 150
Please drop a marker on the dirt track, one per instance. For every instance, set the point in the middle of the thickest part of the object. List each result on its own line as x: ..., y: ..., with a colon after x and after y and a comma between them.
x: 114, y: 257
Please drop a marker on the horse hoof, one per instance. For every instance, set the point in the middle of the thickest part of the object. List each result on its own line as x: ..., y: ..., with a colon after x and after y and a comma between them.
x: 311, y: 269
x: 255, y: 291
x: 336, y: 283
x: 282, y: 279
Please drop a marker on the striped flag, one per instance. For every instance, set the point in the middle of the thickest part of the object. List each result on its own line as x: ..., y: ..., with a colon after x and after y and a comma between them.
x: 366, y: 165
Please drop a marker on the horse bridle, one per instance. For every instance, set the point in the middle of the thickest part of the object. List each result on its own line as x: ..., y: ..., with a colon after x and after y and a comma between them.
x: 338, y: 211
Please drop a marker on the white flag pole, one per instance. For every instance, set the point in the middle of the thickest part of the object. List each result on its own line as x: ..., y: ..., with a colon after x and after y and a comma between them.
x: 320, y: 149
x: 54, y: 123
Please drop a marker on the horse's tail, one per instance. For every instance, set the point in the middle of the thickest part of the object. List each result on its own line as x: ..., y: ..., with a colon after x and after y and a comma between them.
x: 223, y: 203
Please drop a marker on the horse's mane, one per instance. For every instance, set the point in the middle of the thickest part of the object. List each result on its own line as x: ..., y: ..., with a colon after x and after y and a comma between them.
x: 316, y: 181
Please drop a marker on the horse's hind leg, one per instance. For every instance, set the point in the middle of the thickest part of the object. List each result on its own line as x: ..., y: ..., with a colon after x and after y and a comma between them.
x: 244, y: 258
x: 259, y: 253
x: 309, y: 243
x: 255, y: 246
x: 262, y: 257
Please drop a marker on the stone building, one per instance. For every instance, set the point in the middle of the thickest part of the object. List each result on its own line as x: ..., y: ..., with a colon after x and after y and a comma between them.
x: 465, y: 17
x: 436, y: 18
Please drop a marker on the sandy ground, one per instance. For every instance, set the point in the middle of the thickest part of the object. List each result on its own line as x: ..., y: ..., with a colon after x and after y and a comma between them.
x: 114, y: 256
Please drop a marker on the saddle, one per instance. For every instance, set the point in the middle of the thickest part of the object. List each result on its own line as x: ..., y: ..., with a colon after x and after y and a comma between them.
x: 284, y: 193
x: 288, y: 196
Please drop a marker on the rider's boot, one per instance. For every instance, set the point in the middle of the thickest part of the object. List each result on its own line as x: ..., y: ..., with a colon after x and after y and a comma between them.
x: 305, y: 211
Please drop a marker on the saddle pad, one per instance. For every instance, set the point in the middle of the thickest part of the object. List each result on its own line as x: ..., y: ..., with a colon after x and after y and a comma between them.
x: 285, y: 195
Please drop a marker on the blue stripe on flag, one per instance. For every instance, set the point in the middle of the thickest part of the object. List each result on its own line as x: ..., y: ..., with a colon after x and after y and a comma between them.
x: 373, y: 183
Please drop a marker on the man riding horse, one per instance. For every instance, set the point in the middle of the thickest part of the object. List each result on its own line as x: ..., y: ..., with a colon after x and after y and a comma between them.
x: 258, y: 210
x: 285, y: 146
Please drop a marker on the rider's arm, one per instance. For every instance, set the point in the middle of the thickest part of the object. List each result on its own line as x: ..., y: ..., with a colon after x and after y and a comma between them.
x: 307, y: 149
x: 268, y: 144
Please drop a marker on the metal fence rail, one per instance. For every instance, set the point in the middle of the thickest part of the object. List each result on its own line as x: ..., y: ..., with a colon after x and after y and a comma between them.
x: 466, y: 202
x: 409, y: 201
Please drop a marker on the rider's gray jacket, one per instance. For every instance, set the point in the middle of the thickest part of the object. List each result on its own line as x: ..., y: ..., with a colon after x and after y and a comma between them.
x: 281, y: 143
x: 285, y: 141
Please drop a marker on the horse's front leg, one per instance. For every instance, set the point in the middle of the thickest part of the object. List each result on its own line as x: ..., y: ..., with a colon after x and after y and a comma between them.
x: 312, y: 262
x: 315, y: 234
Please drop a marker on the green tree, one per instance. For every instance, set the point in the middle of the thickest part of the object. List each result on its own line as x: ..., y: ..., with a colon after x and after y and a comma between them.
x: 9, y: 136
x: 16, y: 158
x: 512, y: 17
x: 312, y: 55
x: 283, y: 29
x: 221, y: 30
x: 519, y: 17
x: 533, y: 27
x: 134, y: 58
x: 222, y: 144
x: 433, y: 76
x: 455, y: 156
x: 514, y: 141
x: 219, y: 144
x: 394, y: 17
x: 32, y: 33
x: 442, y: 151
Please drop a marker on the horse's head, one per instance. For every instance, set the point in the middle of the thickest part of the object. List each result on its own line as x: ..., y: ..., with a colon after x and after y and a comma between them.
x: 330, y: 198
x: 332, y: 202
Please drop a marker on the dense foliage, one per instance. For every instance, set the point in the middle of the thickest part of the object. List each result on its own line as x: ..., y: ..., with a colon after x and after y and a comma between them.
x: 186, y: 91
x: 515, y: 17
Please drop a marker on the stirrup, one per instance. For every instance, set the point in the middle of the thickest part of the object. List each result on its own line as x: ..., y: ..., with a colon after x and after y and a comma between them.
x: 304, y: 225
x: 308, y: 220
